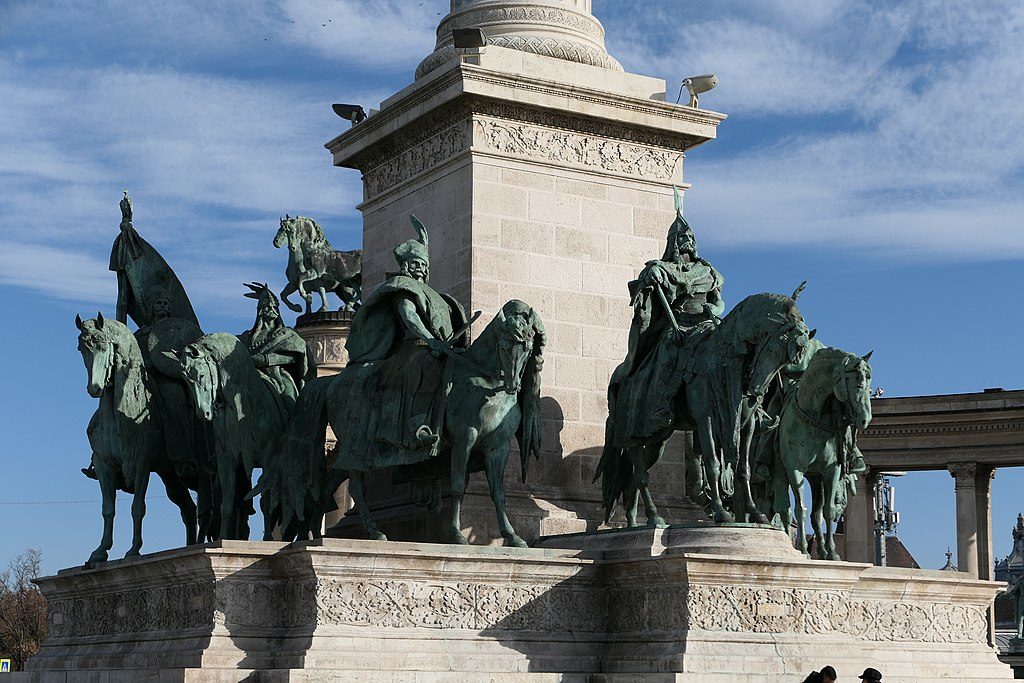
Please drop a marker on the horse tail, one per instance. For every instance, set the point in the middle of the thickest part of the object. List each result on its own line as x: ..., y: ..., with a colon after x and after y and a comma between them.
x: 300, y: 466
x: 614, y: 470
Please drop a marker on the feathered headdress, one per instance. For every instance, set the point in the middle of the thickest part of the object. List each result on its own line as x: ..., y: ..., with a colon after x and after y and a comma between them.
x: 416, y: 248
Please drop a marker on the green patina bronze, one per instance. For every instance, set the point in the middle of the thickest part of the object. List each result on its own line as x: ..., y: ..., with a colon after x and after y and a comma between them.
x: 126, y: 433
x: 414, y: 396
x: 686, y: 369
x: 825, y: 400
x: 315, y: 266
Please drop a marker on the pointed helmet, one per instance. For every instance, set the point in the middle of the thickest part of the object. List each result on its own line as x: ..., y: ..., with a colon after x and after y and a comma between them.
x: 679, y: 227
x: 414, y: 249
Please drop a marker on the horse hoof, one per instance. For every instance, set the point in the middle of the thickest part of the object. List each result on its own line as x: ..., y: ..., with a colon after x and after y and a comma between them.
x: 134, y: 552
x: 514, y: 541
x: 458, y: 538
x: 656, y: 521
x: 378, y: 536
x: 724, y: 517
x: 759, y: 518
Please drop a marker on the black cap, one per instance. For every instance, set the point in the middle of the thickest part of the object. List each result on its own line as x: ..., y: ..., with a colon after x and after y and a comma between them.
x: 871, y: 675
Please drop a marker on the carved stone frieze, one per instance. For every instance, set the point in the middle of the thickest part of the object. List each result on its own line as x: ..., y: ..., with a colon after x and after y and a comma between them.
x: 415, y: 159
x: 457, y: 605
x: 540, y: 14
x: 787, y: 610
x: 172, y: 607
x: 569, y: 147
x: 328, y: 349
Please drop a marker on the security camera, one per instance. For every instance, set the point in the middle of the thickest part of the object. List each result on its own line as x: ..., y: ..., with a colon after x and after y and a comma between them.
x: 696, y: 85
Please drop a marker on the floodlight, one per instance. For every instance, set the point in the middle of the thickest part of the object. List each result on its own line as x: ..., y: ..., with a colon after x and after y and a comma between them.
x: 469, y: 38
x: 696, y: 85
x: 352, y: 112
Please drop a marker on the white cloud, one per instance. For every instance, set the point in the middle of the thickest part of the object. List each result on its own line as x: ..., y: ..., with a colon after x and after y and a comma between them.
x: 59, y: 273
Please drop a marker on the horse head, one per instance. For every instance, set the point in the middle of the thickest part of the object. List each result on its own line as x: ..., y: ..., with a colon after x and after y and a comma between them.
x: 853, y: 388
x: 202, y: 375
x: 285, y: 232
x: 98, y: 342
x: 782, y: 341
x: 521, y: 336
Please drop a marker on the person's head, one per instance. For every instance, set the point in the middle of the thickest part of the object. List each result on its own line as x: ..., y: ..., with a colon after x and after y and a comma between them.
x: 161, y: 308
x: 814, y: 677
x: 267, y: 307
x: 871, y: 675
x: 828, y: 675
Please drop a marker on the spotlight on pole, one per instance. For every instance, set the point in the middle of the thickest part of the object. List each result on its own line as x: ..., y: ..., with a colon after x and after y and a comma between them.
x: 352, y: 112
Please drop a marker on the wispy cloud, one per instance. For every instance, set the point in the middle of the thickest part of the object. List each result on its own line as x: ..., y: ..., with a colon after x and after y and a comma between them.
x: 926, y: 143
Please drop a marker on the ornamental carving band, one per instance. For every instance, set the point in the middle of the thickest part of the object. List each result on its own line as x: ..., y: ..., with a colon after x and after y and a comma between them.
x: 559, y: 146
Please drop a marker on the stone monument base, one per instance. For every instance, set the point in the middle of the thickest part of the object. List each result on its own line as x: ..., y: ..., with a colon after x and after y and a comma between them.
x: 672, y: 604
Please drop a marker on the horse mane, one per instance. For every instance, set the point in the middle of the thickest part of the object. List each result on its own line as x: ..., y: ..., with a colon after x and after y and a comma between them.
x: 317, y: 239
x: 737, y: 324
x: 824, y: 370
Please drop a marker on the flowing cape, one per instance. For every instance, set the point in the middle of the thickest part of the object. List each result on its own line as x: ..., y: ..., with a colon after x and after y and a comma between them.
x: 144, y: 276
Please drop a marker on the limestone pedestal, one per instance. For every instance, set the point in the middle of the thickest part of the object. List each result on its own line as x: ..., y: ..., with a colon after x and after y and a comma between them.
x: 544, y: 173
x: 648, y: 605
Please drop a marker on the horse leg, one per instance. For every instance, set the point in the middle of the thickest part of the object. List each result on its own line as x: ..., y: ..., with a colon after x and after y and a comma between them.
x: 494, y: 464
x: 357, y: 480
x: 323, y: 298
x: 138, y: 510
x: 710, y: 457
x: 831, y: 511
x: 228, y: 484
x: 108, y: 494
x: 817, y: 518
x: 306, y: 295
x: 780, y: 498
x: 461, y: 448
x: 796, y: 485
x: 285, y: 293
x: 749, y: 508
x: 653, y: 518
x: 630, y: 502
x: 204, y: 511
x: 178, y: 494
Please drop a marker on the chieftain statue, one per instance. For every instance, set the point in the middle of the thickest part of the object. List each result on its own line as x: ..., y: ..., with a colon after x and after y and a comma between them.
x: 277, y: 350
x: 415, y: 395
x: 315, y: 266
x: 687, y: 369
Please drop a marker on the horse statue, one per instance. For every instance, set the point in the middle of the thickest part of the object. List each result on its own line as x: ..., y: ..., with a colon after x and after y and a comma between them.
x: 493, y: 394
x: 248, y: 418
x: 731, y: 365
x: 314, y: 265
x: 126, y: 432
x: 816, y: 438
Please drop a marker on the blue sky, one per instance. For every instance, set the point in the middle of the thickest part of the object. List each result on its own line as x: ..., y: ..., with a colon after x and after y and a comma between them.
x: 875, y: 149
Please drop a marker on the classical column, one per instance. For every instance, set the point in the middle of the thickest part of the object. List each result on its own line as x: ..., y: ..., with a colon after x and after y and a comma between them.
x: 983, y: 497
x: 859, y: 521
x: 967, y: 505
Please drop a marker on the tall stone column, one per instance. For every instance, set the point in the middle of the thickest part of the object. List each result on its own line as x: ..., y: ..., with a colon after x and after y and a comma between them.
x: 983, y: 498
x: 544, y: 173
x: 965, y: 474
x: 859, y: 521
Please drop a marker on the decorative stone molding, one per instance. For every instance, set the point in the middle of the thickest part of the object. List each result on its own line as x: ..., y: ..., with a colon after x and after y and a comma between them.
x: 566, y: 147
x: 414, y: 160
x: 789, y: 610
x: 568, y: 32
x: 964, y: 473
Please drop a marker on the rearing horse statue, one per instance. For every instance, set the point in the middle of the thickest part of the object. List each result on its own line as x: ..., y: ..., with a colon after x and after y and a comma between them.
x: 314, y: 265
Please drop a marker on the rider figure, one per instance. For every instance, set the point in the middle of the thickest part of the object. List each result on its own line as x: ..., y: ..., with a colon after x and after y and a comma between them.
x: 277, y: 350
x: 407, y: 327
x: 660, y: 356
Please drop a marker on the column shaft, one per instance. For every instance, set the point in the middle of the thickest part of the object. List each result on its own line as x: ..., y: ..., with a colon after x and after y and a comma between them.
x: 965, y: 476
x: 859, y: 522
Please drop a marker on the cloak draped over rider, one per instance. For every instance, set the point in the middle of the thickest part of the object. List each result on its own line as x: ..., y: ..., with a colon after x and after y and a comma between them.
x: 143, y: 276
x: 399, y: 347
x: 660, y: 356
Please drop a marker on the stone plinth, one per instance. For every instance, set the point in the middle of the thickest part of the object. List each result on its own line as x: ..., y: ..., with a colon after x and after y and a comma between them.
x: 646, y: 605
x: 325, y: 334
x: 549, y: 181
